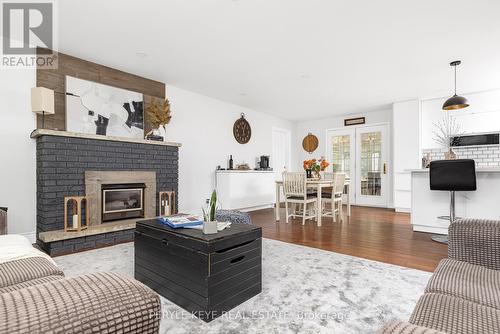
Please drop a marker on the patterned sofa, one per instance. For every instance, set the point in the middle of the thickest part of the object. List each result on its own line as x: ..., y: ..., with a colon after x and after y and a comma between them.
x: 35, y: 297
x: 463, y: 295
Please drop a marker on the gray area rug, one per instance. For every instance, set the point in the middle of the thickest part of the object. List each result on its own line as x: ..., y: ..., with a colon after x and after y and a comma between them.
x: 305, y: 290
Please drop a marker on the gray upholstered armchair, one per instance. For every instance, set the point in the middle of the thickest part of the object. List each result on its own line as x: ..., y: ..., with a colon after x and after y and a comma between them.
x: 476, y: 241
x: 463, y: 295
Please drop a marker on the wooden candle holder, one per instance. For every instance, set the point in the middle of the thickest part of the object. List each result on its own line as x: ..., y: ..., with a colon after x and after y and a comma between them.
x: 166, y: 203
x: 76, y: 210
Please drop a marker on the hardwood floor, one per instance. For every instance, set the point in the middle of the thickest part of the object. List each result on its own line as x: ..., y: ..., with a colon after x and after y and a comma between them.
x: 371, y: 233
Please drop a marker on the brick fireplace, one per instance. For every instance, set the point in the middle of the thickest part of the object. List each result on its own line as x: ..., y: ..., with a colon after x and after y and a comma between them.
x: 70, y: 164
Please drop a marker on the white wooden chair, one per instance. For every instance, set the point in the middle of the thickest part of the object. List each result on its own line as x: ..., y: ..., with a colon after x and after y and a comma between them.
x: 294, y: 187
x: 339, y: 192
x: 333, y: 196
x: 326, y: 197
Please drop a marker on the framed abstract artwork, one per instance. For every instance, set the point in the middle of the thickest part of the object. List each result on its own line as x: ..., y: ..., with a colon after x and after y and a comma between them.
x: 100, y: 109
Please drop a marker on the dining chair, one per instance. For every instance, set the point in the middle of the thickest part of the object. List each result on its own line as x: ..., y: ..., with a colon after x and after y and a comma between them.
x: 295, y: 189
x: 338, y: 190
x: 333, y: 196
x: 326, y: 196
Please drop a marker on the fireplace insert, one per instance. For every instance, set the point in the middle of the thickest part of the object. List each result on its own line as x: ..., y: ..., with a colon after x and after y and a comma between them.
x: 122, y: 201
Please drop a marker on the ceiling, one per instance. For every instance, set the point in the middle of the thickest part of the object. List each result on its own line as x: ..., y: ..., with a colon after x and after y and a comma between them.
x: 294, y: 59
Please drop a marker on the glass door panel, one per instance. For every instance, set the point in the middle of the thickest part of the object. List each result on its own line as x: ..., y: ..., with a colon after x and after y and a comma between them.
x: 371, y: 147
x: 341, y: 154
x: 371, y: 143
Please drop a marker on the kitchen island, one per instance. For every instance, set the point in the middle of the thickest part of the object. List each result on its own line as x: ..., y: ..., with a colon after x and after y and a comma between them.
x: 427, y: 205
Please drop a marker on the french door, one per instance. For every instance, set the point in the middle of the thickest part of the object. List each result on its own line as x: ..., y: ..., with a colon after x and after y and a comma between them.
x: 362, y: 153
x: 371, y: 165
x: 341, y: 154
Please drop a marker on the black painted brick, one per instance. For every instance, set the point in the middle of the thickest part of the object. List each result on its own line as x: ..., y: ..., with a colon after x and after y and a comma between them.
x: 88, y: 242
x: 62, y: 162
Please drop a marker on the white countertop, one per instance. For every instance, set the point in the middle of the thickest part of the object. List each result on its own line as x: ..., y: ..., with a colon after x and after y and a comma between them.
x: 478, y: 170
x: 244, y: 171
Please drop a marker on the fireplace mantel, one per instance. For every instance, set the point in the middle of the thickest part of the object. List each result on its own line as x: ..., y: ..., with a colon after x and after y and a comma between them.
x: 64, y: 159
x: 44, y: 132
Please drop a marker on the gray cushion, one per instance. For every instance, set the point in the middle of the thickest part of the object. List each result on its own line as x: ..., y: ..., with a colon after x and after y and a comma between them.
x: 461, y: 279
x: 455, y: 315
x: 402, y: 327
x: 233, y: 216
x: 25, y: 270
x: 309, y: 196
x: 95, y: 303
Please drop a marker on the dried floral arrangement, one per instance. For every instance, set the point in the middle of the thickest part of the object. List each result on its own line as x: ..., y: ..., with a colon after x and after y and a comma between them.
x: 159, y: 114
x: 445, y: 130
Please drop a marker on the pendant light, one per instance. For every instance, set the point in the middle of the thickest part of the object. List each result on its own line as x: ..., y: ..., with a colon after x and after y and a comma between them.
x: 455, y: 102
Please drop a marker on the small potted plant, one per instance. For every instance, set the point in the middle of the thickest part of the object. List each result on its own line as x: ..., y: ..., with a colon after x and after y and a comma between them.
x: 209, y: 222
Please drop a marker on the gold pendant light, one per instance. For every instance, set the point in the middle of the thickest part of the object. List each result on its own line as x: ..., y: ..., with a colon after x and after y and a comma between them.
x: 455, y: 102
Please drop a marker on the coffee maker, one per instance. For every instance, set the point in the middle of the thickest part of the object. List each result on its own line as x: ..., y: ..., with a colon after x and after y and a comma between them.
x: 264, y: 163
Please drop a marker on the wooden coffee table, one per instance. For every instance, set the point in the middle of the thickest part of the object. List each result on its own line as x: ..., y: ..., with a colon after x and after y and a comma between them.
x: 204, y: 274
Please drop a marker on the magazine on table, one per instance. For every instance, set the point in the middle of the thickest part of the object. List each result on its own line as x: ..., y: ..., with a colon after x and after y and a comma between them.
x: 179, y: 221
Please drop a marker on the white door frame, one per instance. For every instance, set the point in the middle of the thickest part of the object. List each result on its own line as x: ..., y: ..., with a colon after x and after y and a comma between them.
x: 374, y: 200
x: 288, y: 135
x: 353, y: 189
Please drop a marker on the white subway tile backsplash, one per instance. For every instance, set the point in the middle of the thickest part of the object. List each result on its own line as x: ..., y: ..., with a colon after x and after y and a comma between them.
x: 484, y: 156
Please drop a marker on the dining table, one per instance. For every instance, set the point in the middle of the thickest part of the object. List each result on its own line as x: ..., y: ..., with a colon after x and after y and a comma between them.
x: 318, y: 185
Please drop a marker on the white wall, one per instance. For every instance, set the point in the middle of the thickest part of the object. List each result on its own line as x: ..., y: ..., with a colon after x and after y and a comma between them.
x: 406, y: 150
x: 18, y: 151
x: 319, y: 128
x: 204, y: 126
x: 483, y: 115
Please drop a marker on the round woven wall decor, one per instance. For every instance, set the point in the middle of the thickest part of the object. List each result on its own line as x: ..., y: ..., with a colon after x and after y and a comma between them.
x: 310, y: 143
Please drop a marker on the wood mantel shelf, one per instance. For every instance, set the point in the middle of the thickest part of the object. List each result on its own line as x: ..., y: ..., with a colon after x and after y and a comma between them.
x: 44, y: 132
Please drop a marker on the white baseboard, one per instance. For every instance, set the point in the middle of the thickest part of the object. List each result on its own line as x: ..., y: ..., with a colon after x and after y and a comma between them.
x: 406, y: 210
x: 430, y: 229
x: 30, y: 235
x: 255, y: 208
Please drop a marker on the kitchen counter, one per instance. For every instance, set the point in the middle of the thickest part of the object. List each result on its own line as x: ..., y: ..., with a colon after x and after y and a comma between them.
x: 243, y: 171
x: 427, y: 205
x: 478, y: 170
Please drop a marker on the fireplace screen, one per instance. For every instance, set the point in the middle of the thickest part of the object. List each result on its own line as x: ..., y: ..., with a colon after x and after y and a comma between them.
x: 122, y: 201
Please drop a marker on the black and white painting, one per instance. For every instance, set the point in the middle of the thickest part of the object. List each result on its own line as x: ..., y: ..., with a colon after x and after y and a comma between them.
x: 100, y: 109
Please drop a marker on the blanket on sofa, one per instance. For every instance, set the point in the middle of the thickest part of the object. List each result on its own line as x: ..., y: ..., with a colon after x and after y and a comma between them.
x: 16, y: 247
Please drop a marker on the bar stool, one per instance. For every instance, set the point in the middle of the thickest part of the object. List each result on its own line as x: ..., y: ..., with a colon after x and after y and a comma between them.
x: 452, y: 175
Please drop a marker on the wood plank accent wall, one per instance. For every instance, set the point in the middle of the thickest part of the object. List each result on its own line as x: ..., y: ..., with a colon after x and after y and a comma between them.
x: 79, y: 68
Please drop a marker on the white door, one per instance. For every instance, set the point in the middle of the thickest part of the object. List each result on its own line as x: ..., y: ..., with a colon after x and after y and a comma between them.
x: 341, y: 148
x: 371, y: 165
x: 280, y: 160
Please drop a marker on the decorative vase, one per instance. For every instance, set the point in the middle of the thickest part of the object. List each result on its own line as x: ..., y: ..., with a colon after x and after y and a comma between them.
x: 163, y: 132
x: 210, y: 227
x: 450, y: 155
x: 317, y: 174
x: 309, y: 173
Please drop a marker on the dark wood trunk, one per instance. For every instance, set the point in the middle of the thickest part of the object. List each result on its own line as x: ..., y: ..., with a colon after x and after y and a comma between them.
x: 205, y: 274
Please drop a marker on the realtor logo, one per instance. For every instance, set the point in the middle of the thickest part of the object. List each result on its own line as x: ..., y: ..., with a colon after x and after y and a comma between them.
x: 26, y: 26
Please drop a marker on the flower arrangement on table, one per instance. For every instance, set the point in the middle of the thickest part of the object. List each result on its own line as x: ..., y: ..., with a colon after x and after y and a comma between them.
x: 316, y: 166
